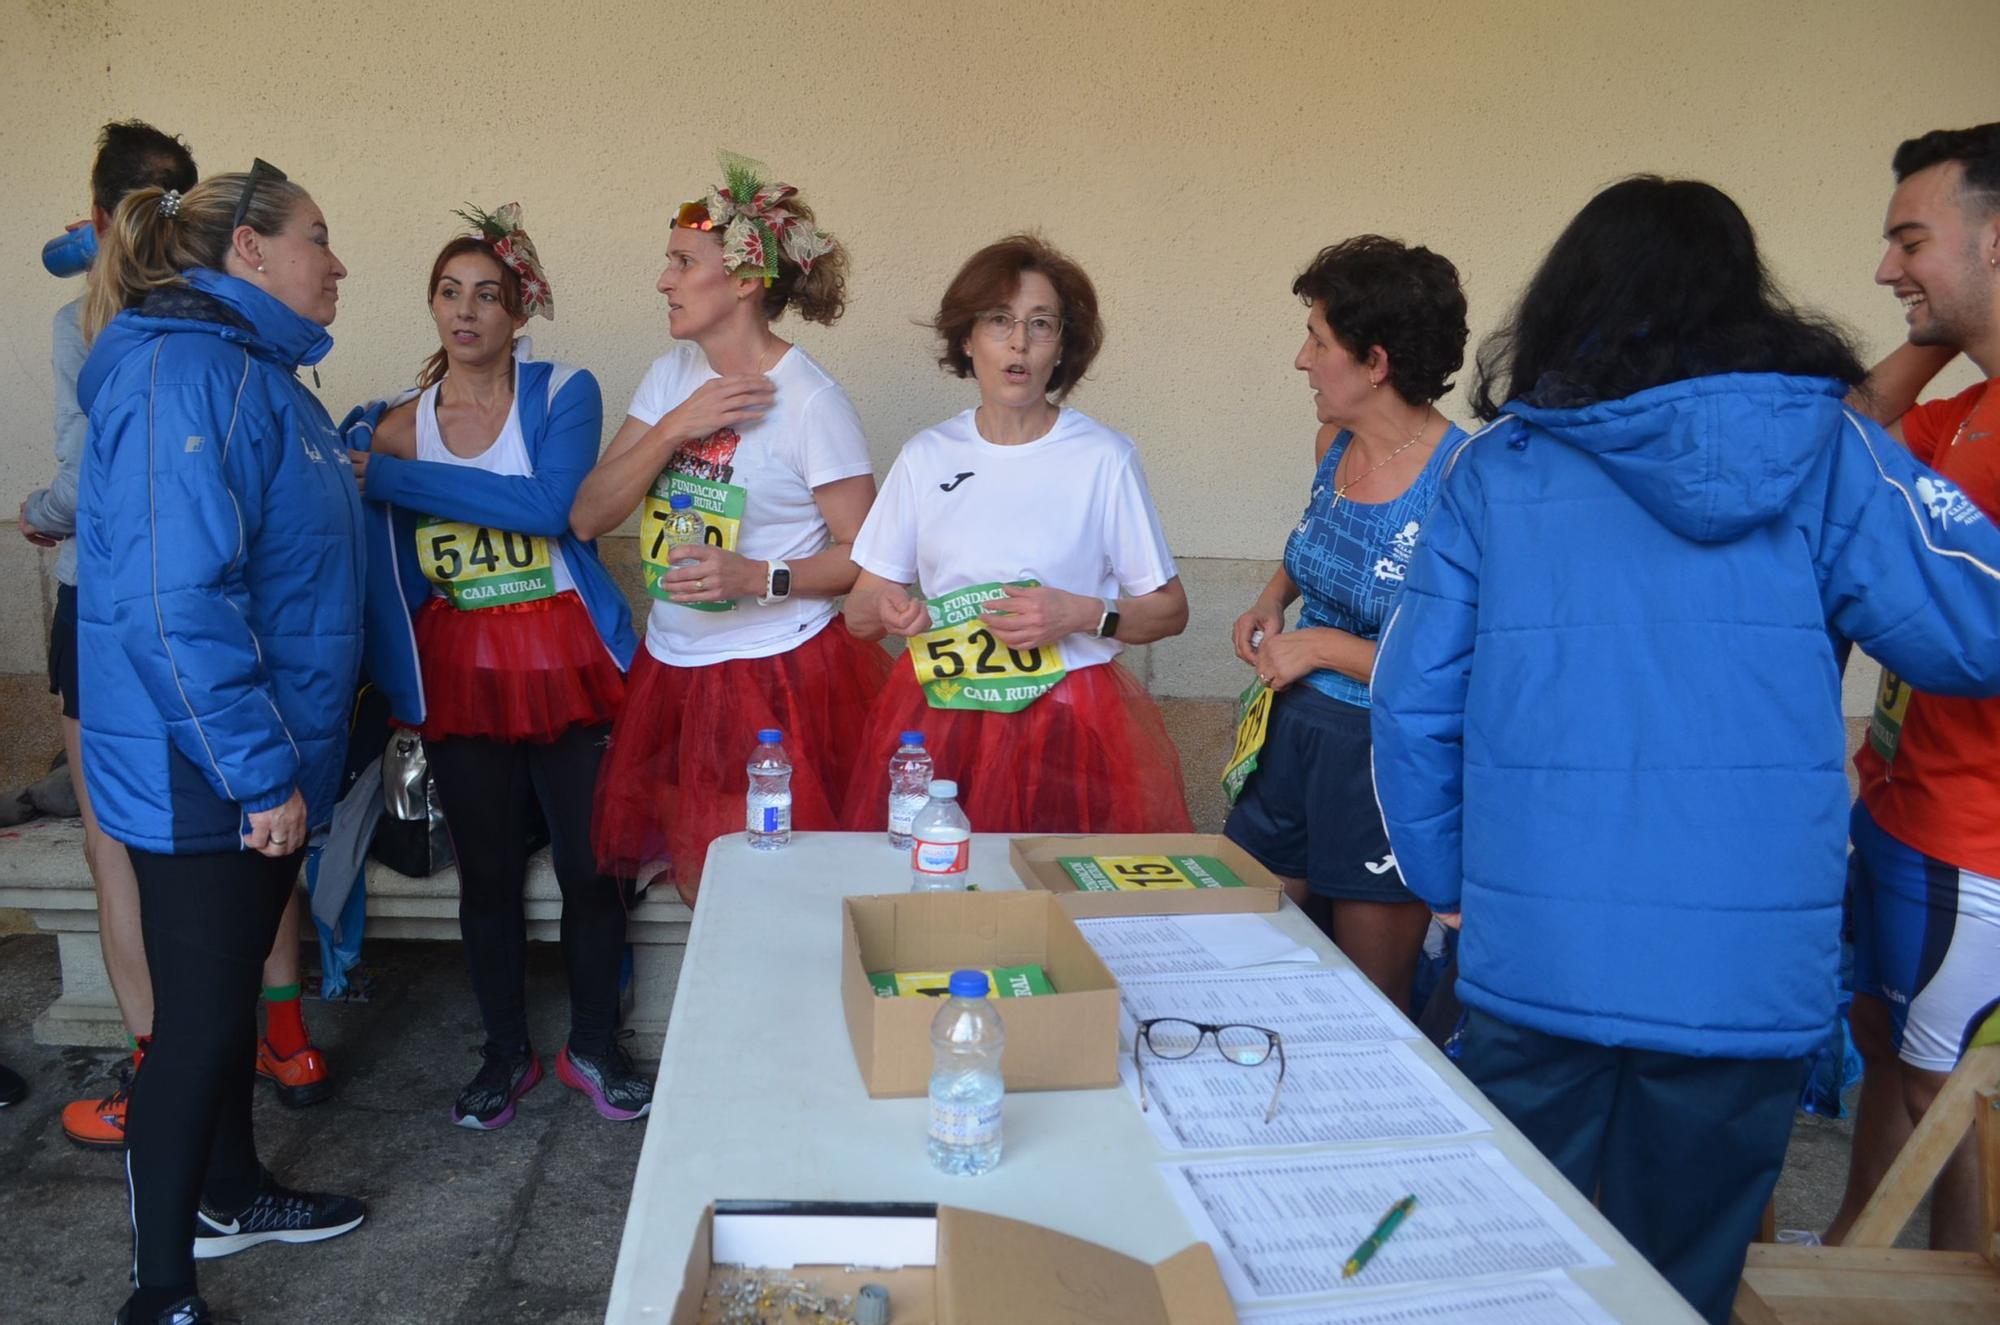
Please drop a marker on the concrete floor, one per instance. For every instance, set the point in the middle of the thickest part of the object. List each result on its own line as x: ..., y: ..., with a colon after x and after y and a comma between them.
x: 519, y: 1225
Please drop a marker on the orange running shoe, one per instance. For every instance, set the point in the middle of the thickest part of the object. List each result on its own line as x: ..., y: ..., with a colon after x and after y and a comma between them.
x: 301, y: 1080
x: 100, y: 1124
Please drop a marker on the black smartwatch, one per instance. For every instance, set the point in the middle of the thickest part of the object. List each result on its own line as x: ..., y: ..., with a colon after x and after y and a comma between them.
x: 1107, y: 625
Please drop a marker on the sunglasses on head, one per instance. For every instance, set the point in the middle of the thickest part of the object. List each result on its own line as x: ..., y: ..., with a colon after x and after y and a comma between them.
x: 693, y: 216
x: 260, y: 170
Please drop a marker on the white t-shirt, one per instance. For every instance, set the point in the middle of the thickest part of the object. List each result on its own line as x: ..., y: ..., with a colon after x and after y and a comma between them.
x: 811, y: 436
x: 507, y: 456
x: 1069, y: 509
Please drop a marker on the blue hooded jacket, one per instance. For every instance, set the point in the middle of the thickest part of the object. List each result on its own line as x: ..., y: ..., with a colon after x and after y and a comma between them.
x: 562, y: 421
x: 1607, y: 724
x: 219, y: 569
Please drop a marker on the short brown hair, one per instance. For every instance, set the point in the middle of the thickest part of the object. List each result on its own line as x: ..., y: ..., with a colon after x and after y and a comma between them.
x: 989, y: 279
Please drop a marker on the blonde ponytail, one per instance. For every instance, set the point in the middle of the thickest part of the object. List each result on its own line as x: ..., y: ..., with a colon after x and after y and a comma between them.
x: 148, y: 244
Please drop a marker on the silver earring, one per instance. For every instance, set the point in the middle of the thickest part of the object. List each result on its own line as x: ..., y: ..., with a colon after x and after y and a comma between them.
x: 260, y: 266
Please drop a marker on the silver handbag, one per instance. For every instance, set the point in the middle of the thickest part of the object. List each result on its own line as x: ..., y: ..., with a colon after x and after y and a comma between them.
x: 406, y: 786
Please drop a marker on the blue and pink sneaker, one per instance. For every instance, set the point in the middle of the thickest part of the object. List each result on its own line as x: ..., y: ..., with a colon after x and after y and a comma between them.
x: 609, y: 1081
x: 503, y: 1079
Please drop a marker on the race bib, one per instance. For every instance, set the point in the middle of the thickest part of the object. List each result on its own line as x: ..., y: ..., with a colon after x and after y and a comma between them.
x: 480, y: 567
x: 1134, y: 874
x: 961, y: 665
x: 1253, y: 724
x: 1885, y: 725
x: 721, y: 506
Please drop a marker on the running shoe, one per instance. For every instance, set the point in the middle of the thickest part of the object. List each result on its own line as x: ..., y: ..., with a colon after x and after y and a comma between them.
x: 301, y: 1080
x: 276, y: 1214
x: 613, y: 1086
x: 488, y: 1102
x: 190, y: 1310
x: 100, y: 1124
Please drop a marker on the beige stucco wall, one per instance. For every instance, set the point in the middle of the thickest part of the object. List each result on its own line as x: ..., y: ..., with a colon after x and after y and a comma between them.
x: 1192, y: 155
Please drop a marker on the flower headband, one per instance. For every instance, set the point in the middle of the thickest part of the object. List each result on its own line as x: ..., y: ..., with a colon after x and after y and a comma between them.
x: 757, y: 221
x: 502, y: 229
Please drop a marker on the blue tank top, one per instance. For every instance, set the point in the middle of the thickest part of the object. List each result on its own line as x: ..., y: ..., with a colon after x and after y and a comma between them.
x: 1348, y: 560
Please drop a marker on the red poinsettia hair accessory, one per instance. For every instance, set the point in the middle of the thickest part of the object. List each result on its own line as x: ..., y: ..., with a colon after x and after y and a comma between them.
x: 502, y: 229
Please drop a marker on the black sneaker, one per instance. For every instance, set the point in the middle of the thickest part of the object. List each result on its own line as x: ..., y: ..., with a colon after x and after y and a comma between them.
x: 503, y: 1078
x: 613, y: 1086
x: 190, y: 1310
x: 277, y: 1214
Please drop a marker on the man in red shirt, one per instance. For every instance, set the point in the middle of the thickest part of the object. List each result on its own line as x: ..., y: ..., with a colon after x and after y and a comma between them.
x: 1924, y: 879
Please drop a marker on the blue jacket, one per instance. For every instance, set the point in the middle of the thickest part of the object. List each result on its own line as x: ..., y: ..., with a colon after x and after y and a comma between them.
x: 562, y: 423
x: 1607, y: 719
x: 219, y: 569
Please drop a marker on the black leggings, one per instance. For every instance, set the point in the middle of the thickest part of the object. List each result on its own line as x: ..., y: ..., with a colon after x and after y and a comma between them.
x: 208, y: 921
x: 483, y: 787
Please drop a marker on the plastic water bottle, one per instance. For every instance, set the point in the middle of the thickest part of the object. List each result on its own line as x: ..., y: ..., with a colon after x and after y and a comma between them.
x: 967, y: 1039
x: 685, y: 527
x: 768, y: 806
x: 909, y: 787
x: 71, y: 252
x: 940, y: 842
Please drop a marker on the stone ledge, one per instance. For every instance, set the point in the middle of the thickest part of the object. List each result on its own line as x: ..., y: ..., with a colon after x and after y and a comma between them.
x: 42, y: 873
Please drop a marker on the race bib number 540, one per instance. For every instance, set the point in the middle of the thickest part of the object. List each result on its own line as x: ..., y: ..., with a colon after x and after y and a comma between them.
x: 962, y: 665
x: 480, y: 567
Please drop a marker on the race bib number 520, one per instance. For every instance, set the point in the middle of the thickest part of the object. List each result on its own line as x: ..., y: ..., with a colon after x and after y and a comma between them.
x: 962, y: 665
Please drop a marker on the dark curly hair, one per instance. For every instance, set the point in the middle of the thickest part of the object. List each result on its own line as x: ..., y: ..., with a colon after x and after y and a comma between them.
x: 1408, y: 300
x: 1654, y: 281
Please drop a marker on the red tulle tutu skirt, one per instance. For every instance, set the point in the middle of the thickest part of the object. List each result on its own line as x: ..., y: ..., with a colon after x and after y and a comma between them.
x: 517, y: 672
x: 1090, y: 756
x: 674, y: 780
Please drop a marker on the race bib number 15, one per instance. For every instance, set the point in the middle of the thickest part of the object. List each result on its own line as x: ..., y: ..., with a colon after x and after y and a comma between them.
x: 961, y: 665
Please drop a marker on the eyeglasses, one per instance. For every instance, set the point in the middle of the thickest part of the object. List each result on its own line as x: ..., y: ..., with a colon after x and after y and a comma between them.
x: 998, y: 324
x: 1246, y: 1046
x: 693, y: 216
x: 260, y: 170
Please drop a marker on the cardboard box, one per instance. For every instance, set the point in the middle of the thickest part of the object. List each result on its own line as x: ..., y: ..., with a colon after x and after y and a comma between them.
x: 1059, y: 1041
x: 947, y: 1266
x: 1035, y: 862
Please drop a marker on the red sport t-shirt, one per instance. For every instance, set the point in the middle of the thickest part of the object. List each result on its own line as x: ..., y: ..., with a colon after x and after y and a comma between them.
x: 1930, y: 765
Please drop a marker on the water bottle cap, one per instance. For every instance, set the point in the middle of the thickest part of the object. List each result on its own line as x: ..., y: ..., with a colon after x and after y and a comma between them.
x: 680, y: 501
x: 770, y: 736
x: 968, y: 984
x: 943, y: 789
x: 913, y: 738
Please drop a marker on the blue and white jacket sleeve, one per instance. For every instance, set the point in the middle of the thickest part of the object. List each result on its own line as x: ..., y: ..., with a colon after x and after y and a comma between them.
x: 184, y: 496
x: 533, y: 505
x: 1909, y: 568
x: 1423, y: 669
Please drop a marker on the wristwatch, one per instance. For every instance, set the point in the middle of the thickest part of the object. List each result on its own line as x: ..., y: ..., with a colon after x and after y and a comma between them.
x: 1107, y: 625
x: 777, y: 583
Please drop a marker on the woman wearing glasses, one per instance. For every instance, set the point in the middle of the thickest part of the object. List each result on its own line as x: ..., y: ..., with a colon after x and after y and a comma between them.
x: 515, y: 662
x: 1029, y: 528
x: 742, y: 634
x: 220, y: 565
x: 1385, y: 332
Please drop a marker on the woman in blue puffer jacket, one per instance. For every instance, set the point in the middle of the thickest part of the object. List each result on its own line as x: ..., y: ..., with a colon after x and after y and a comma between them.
x: 220, y: 560
x: 1607, y: 715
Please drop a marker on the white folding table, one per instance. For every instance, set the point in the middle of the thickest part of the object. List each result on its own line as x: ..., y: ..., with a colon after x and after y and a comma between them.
x: 758, y: 1095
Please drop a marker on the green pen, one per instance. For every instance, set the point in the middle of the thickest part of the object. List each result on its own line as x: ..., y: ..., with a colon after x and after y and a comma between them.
x: 1373, y: 1243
